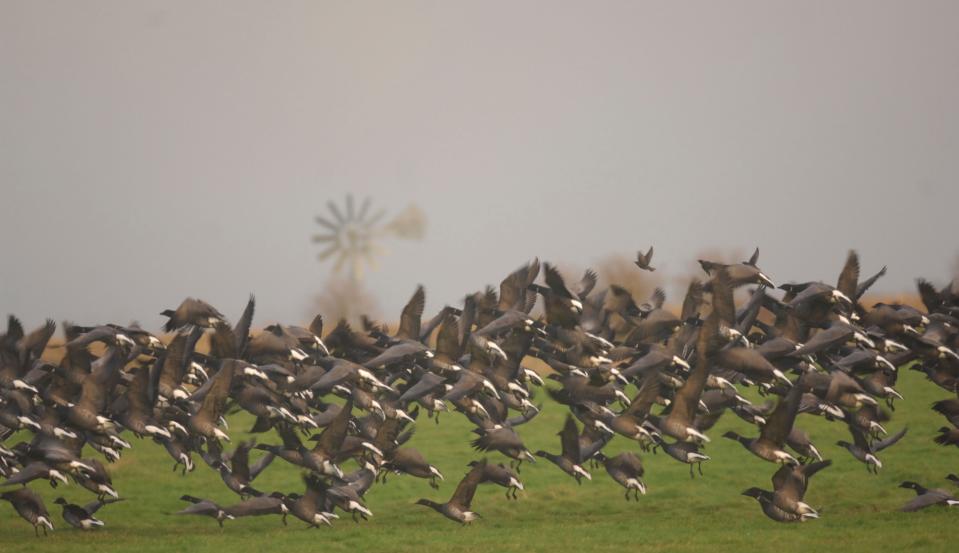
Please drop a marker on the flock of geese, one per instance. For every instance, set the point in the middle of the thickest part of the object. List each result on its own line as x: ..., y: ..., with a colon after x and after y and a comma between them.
x: 812, y: 346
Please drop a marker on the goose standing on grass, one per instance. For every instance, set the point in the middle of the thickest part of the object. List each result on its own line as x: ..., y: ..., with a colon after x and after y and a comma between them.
x: 458, y: 507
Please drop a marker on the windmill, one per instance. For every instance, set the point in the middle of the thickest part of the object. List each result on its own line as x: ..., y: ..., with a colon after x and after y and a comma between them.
x: 352, y: 237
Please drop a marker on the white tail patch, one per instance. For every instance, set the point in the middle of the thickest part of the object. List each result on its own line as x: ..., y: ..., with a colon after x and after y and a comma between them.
x: 44, y: 521
x: 220, y: 434
x: 582, y: 472
x: 697, y: 434
x: 636, y: 484
x: 105, y: 489
x: 355, y: 506
x: 157, y: 431
x: 436, y: 472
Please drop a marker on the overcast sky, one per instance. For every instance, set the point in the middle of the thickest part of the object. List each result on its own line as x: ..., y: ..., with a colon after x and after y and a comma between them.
x: 154, y: 150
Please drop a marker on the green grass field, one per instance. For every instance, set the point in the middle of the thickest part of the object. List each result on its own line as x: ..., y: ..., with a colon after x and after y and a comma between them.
x: 859, y: 511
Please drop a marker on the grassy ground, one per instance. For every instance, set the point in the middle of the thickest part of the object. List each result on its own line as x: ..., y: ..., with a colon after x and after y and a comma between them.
x: 859, y: 510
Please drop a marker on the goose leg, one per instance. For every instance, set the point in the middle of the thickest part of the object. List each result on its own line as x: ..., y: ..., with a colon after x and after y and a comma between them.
x: 700, y: 467
x: 691, y: 475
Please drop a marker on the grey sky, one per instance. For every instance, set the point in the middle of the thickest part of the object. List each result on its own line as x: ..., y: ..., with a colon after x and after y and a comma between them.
x: 154, y: 150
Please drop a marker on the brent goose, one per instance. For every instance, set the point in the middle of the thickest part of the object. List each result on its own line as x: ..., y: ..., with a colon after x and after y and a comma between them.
x: 627, y: 470
x: 570, y: 458
x: 30, y: 507
x: 205, y: 507
x: 192, y: 311
x: 643, y: 260
x: 82, y: 517
x: 926, y: 497
x: 785, y: 503
x: 501, y: 475
x: 458, y: 507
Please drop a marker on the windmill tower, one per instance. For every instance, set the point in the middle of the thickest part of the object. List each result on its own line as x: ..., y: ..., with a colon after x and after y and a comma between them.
x: 352, y: 239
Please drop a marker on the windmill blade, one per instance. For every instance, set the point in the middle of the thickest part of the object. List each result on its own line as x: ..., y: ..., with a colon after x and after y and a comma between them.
x: 325, y: 223
x: 336, y: 212
x: 376, y: 219
x: 330, y: 250
x: 349, y: 207
x: 364, y: 208
x: 317, y: 238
